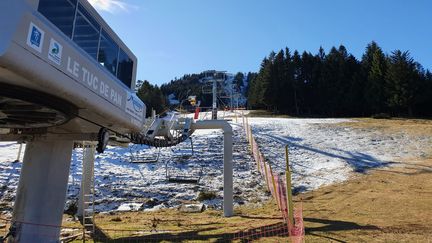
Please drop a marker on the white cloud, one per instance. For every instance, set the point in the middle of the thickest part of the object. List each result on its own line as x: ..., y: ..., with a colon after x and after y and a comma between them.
x: 112, y: 6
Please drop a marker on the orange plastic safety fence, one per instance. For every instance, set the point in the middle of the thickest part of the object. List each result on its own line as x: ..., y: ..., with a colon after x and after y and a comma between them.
x: 277, y: 187
x: 114, y: 235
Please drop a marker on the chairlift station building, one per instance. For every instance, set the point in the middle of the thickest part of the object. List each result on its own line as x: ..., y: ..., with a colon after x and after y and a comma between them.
x: 64, y: 75
x: 65, y: 58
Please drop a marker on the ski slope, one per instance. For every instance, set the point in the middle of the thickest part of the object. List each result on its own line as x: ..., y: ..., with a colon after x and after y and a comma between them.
x: 321, y: 153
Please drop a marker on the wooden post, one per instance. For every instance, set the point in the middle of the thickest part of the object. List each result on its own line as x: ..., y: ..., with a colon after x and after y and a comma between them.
x: 266, y: 174
x: 243, y: 119
x: 276, y: 194
x: 251, y: 142
x: 247, y: 127
x: 288, y: 187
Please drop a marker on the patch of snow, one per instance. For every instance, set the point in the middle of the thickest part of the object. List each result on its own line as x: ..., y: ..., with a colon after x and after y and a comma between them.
x: 172, y: 100
x: 126, y: 207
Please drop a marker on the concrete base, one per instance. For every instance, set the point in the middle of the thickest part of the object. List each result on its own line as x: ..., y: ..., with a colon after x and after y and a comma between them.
x: 41, y: 193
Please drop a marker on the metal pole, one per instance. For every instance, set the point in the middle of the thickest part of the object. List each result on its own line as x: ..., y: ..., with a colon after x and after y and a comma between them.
x: 214, y: 105
x: 228, y: 173
x: 232, y: 96
x: 19, y: 153
x: 227, y: 160
x: 289, y: 189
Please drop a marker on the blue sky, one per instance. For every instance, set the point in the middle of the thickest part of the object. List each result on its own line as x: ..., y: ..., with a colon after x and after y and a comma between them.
x: 176, y: 37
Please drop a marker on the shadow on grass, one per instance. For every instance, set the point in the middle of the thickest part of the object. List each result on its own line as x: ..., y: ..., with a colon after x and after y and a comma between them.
x: 336, y: 225
x: 257, y: 217
x: 273, y: 230
x: 360, y: 162
x: 410, y: 169
x: 332, y: 226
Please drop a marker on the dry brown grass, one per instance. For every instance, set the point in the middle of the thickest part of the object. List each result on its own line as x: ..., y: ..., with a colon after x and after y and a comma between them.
x: 415, y: 127
x: 170, y: 223
x: 387, y: 205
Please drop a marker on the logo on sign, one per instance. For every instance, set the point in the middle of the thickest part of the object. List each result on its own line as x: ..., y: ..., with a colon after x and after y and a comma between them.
x: 35, y: 37
x: 134, y: 107
x: 55, y: 52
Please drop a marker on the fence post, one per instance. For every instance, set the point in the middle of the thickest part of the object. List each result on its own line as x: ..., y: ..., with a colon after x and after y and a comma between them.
x: 243, y: 120
x: 276, y: 194
x: 251, y: 138
x: 253, y: 144
x: 266, y: 174
x: 289, y: 190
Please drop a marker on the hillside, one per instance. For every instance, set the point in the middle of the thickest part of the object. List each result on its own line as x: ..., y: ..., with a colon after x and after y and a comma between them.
x: 178, y: 90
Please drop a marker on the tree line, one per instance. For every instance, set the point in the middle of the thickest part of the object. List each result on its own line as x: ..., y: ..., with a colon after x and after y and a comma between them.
x: 337, y: 84
x: 152, y: 97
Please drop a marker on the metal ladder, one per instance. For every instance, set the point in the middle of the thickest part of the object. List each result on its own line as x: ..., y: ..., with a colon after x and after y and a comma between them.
x: 88, y: 202
x: 88, y: 213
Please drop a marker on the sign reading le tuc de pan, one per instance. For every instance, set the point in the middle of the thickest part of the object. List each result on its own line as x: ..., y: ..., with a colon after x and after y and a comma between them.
x: 74, y: 66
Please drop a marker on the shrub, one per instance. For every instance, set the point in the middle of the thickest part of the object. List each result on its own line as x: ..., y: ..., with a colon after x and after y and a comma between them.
x: 206, y: 195
x: 381, y: 116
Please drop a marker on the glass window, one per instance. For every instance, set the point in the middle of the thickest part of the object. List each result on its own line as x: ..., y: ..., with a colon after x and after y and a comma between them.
x: 60, y: 12
x: 86, y: 33
x: 108, y: 53
x: 125, y: 68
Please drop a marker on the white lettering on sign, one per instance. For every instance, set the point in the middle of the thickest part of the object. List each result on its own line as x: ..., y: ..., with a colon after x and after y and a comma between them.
x: 93, y: 82
x: 73, y: 67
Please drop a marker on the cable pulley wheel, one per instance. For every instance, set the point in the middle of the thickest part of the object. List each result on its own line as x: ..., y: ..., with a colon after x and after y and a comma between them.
x: 25, y: 108
x: 103, y: 138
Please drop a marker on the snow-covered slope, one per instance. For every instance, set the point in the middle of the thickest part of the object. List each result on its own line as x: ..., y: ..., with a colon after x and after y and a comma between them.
x: 322, y: 153
x: 119, y: 181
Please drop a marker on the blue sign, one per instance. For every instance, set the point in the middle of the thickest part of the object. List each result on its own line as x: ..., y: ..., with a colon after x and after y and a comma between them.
x: 35, y: 38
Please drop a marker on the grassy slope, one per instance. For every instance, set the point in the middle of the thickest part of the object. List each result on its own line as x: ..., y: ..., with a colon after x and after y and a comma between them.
x: 386, y: 205
x: 391, y: 204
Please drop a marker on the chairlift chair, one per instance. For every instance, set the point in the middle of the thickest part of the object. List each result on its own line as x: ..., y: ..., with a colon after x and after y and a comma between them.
x: 176, y: 175
x: 143, y: 158
x: 188, y: 176
x: 186, y: 156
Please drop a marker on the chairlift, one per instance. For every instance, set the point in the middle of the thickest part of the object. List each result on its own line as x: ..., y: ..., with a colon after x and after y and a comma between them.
x: 143, y: 158
x: 208, y: 89
x: 185, y: 155
x: 186, y: 174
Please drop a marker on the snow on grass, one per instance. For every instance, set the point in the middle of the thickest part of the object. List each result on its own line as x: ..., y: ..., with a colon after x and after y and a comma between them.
x: 321, y: 153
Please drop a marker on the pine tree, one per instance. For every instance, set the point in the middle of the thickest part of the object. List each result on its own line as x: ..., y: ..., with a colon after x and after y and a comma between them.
x: 152, y: 97
x: 238, y: 80
x: 296, y: 81
x: 401, y: 79
x: 259, y: 86
x: 374, y: 66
